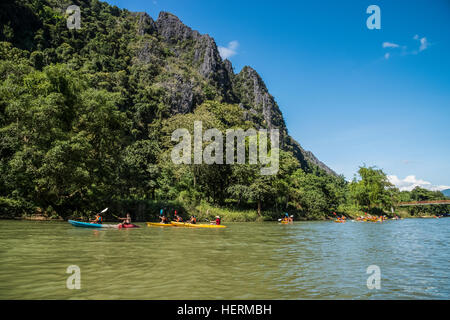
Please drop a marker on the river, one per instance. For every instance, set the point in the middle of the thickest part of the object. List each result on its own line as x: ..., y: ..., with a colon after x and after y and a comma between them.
x: 305, y: 260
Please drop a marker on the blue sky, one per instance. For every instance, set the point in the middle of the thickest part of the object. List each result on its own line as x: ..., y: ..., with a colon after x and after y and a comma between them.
x: 351, y: 95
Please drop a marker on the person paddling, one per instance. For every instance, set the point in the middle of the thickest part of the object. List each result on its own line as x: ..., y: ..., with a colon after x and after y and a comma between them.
x: 176, y: 217
x: 164, y: 219
x: 193, y: 220
x: 98, y: 219
x: 217, y: 221
x: 126, y: 220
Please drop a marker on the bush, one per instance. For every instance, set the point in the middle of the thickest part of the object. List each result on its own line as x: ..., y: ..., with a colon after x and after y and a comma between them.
x: 204, y: 211
x: 10, y: 208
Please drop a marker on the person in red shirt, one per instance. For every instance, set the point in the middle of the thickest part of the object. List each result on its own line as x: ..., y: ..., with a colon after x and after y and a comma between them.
x: 217, y: 221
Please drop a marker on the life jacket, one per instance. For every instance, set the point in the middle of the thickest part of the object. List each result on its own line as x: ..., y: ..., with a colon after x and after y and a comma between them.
x: 99, y: 220
x: 218, y: 221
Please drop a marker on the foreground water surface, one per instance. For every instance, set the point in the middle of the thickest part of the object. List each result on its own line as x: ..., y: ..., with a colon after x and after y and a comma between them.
x: 306, y: 260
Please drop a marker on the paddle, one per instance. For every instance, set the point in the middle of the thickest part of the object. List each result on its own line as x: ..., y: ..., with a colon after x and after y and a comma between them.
x: 118, y: 218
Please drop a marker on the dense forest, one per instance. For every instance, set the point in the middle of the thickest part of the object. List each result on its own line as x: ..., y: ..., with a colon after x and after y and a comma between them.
x: 86, y: 117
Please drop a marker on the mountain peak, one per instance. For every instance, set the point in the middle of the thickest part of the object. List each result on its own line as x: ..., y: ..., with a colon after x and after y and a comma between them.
x: 173, y: 29
x: 253, y: 93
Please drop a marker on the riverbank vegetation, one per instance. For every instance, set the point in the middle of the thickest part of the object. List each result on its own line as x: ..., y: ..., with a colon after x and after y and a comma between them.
x: 85, y: 124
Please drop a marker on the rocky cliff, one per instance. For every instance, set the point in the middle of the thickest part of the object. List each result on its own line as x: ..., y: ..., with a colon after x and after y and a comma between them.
x: 245, y: 88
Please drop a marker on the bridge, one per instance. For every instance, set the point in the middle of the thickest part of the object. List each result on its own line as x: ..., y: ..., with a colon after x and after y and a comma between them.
x: 423, y: 203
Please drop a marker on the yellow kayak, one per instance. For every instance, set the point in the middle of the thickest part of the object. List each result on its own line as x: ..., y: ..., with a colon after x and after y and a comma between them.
x: 157, y: 224
x: 190, y: 225
x: 285, y: 222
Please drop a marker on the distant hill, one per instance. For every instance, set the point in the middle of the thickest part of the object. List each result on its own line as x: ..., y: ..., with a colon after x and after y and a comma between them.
x: 446, y: 192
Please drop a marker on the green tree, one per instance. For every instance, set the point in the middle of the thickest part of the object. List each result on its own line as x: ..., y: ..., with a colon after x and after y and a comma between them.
x: 373, y: 190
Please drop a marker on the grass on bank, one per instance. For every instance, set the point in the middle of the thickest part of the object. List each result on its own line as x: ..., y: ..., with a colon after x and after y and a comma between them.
x: 148, y: 210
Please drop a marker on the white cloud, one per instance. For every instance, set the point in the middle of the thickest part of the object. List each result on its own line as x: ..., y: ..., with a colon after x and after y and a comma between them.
x: 410, y: 182
x: 390, y: 45
x: 423, y: 44
x: 231, y: 50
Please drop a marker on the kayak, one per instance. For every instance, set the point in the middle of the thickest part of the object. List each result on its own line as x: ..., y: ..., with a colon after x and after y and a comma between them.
x: 158, y: 224
x: 191, y: 225
x: 339, y: 221
x: 285, y: 222
x: 91, y: 225
x: 96, y: 225
x: 127, y: 226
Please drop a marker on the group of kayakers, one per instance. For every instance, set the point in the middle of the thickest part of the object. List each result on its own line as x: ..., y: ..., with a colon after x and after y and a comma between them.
x: 162, y: 216
x: 366, y: 218
x: 177, y: 218
x: 370, y: 218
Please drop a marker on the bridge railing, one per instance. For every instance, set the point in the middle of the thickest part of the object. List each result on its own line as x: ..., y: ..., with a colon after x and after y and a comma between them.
x: 422, y: 203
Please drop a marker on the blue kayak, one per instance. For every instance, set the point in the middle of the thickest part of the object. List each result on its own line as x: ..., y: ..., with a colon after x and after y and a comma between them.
x: 90, y: 225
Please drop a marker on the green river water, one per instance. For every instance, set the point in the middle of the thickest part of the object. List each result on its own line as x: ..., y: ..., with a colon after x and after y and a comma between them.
x: 306, y: 260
